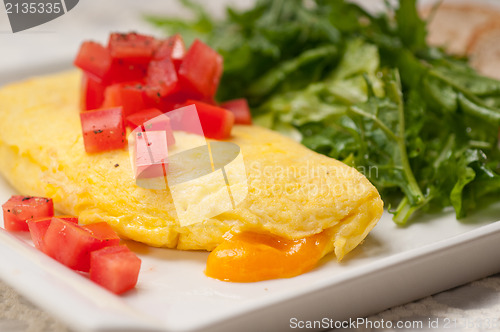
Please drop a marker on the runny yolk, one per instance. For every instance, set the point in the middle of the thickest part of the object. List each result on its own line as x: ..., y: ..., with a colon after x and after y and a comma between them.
x: 250, y: 256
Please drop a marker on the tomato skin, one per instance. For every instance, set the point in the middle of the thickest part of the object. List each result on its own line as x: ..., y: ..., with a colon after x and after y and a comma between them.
x: 94, y: 59
x: 240, y: 109
x: 172, y: 48
x: 18, y: 209
x: 201, y: 70
x: 92, y: 92
x: 103, y: 129
x: 151, y: 154
x: 133, y: 47
x: 161, y: 79
x: 216, y: 122
x: 128, y: 95
x: 38, y: 227
x: 115, y: 268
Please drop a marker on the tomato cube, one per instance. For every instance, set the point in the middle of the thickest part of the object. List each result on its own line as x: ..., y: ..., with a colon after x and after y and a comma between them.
x: 132, y: 46
x: 38, y: 227
x: 160, y: 123
x: 161, y: 79
x: 127, y: 95
x: 151, y: 154
x: 103, y: 129
x: 115, y: 268
x: 170, y: 102
x: 70, y: 244
x: 137, y: 119
x: 201, y: 69
x: 240, y: 110
x: 18, y: 209
x: 104, y: 232
x: 94, y: 59
x: 216, y: 122
x: 172, y: 48
x: 92, y: 93
x: 121, y: 71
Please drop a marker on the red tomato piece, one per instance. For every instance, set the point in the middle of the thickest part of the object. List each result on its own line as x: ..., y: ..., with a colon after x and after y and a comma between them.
x: 70, y: 244
x: 18, y: 209
x: 38, y: 227
x: 92, y: 93
x: 121, y: 71
x: 240, y: 109
x: 170, y: 102
x: 133, y: 47
x: 201, y: 69
x: 115, y: 268
x: 172, y: 48
x: 161, y: 79
x: 128, y: 95
x: 103, y: 129
x: 151, y: 154
x: 160, y: 123
x: 94, y: 59
x: 216, y: 122
x: 137, y: 119
x: 104, y: 232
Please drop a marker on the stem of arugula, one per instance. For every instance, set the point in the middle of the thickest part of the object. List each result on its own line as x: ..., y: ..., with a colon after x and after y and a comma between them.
x: 406, y: 207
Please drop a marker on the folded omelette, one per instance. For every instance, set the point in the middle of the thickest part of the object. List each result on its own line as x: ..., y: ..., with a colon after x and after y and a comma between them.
x: 292, y: 191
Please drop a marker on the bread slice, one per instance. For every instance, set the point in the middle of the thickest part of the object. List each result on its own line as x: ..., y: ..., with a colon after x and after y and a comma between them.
x: 483, y: 49
x: 453, y: 24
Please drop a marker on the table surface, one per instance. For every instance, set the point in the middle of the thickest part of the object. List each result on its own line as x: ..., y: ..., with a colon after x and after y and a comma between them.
x: 471, y: 307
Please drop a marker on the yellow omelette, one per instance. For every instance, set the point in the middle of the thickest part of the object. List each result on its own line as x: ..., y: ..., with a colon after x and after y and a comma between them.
x: 293, y: 193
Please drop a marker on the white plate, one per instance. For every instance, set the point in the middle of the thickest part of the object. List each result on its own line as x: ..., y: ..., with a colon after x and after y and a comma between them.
x: 393, y: 266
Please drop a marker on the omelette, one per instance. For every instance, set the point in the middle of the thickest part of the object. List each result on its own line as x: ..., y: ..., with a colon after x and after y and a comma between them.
x: 293, y: 194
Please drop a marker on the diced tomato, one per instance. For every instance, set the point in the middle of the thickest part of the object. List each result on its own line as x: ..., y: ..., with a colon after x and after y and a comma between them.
x: 92, y: 93
x: 170, y: 102
x: 115, y: 268
x: 151, y: 154
x: 71, y: 244
x: 103, y: 129
x: 137, y: 119
x: 94, y: 59
x: 133, y: 47
x: 121, y: 71
x: 38, y: 227
x: 160, y: 123
x: 216, y: 122
x: 104, y: 232
x: 112, y: 96
x: 172, y: 48
x: 18, y: 209
x: 161, y: 79
x: 240, y: 109
x: 128, y: 95
x: 201, y: 69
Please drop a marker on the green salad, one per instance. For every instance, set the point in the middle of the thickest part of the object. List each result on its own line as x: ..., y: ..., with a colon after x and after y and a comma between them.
x: 365, y: 89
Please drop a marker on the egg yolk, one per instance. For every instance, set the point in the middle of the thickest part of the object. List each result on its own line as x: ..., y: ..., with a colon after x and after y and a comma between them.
x: 250, y: 256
